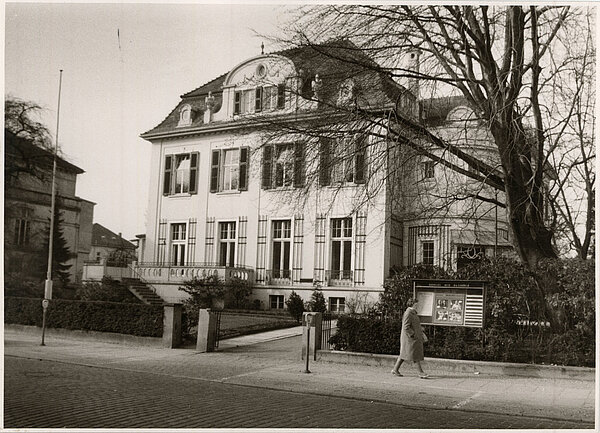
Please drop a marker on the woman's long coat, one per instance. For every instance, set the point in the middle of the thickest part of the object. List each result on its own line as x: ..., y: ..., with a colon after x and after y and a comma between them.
x: 411, y: 337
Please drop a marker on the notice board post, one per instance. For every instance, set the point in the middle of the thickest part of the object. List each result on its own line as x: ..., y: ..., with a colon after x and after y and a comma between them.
x: 450, y: 302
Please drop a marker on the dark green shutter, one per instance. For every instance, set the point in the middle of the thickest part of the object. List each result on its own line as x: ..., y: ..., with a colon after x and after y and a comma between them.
x: 360, y: 159
x: 194, y: 159
x: 214, y: 171
x: 267, y: 166
x: 238, y: 103
x: 168, y: 174
x: 244, y: 164
x: 324, y: 162
x: 299, y: 165
x: 258, y: 99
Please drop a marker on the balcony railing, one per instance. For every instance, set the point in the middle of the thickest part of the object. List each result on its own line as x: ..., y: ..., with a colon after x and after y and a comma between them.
x: 340, y: 278
x: 279, y: 276
x: 168, y: 273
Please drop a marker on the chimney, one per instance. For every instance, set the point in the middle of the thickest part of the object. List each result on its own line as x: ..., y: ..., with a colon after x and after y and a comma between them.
x: 413, y: 66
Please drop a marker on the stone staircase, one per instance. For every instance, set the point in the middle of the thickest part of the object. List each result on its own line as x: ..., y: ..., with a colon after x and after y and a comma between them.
x: 142, y: 291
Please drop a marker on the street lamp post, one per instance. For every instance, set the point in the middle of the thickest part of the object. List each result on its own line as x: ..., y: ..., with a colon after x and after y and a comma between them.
x: 48, y: 283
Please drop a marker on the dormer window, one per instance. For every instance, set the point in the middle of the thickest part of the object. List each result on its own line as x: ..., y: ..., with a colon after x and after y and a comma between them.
x: 185, y: 116
x: 263, y: 98
x: 346, y: 92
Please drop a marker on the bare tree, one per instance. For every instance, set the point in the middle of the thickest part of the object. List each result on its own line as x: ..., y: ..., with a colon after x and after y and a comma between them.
x: 495, y: 57
x: 571, y: 114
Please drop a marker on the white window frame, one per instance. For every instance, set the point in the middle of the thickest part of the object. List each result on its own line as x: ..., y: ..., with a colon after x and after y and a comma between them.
x: 279, y: 302
x: 230, y: 171
x: 345, y: 237
x: 335, y: 303
x: 228, y: 242
x: 422, y: 251
x: 283, y: 236
x: 284, y: 163
x: 178, y: 243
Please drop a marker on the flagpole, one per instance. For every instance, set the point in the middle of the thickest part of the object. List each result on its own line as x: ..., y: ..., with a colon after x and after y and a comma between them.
x: 48, y: 284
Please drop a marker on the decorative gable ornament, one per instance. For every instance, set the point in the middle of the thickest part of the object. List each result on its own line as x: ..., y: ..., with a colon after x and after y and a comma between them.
x: 185, y: 115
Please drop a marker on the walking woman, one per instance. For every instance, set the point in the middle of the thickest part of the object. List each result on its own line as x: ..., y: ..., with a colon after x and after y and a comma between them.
x: 411, y: 340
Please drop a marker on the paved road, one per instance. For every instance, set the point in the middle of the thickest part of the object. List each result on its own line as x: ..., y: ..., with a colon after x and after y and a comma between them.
x: 50, y: 394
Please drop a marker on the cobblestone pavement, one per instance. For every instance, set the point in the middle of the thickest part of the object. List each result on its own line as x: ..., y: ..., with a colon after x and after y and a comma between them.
x: 50, y: 394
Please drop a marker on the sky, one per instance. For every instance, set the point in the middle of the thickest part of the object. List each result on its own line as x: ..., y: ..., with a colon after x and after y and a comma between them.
x: 125, y: 66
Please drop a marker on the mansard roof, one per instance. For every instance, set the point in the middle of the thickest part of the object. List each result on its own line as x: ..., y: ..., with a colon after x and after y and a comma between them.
x: 334, y: 62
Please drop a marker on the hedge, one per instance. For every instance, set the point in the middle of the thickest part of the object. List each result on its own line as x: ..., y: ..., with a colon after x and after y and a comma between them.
x: 545, y: 315
x: 133, y: 319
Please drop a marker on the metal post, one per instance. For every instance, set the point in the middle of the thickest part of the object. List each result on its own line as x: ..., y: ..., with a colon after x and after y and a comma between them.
x: 48, y: 284
x: 45, y: 304
x: 308, y: 323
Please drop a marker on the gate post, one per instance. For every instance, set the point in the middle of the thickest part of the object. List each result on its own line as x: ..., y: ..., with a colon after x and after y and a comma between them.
x: 315, y: 334
x: 171, y: 337
x: 207, y: 329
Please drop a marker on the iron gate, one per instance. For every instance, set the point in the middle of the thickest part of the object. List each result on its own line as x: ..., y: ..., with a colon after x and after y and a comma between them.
x: 217, y: 328
x: 326, y: 331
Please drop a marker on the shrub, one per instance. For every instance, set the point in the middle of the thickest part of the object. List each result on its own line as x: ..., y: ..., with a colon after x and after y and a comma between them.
x: 203, y: 291
x: 134, y: 319
x: 295, y: 306
x: 398, y: 289
x: 237, y: 292
x: 317, y: 302
x: 520, y: 304
x: 108, y: 290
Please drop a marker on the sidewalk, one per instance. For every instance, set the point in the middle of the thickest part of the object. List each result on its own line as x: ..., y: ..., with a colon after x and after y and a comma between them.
x: 272, y: 361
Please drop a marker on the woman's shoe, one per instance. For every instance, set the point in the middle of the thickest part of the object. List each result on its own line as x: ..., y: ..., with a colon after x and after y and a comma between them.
x: 396, y: 373
x: 423, y: 375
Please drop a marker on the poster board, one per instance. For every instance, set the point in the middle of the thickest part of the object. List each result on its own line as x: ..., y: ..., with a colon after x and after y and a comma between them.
x: 450, y: 302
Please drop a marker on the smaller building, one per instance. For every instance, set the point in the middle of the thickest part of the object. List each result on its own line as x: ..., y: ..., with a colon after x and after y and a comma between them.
x: 110, y: 247
x: 110, y: 255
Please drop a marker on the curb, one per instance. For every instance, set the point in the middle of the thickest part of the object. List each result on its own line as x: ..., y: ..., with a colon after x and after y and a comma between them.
x: 464, y: 366
x: 76, y: 334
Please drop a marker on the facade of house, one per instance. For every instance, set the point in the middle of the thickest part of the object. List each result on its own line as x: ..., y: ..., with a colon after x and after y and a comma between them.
x: 27, y: 204
x: 243, y: 186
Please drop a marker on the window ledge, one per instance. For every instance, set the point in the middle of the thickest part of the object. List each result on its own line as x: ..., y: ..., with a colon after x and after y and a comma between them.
x: 232, y: 192
x: 181, y: 195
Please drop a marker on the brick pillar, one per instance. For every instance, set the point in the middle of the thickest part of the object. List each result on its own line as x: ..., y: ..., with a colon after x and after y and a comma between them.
x: 172, y: 326
x: 207, y: 327
x: 316, y: 320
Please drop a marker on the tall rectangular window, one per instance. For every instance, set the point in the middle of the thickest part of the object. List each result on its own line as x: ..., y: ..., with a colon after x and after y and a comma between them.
x: 178, y: 243
x: 181, y: 174
x: 341, y: 249
x: 428, y: 252
x: 283, y: 165
x: 227, y: 238
x: 22, y: 231
x: 282, y: 237
x: 343, y: 160
x: 229, y: 169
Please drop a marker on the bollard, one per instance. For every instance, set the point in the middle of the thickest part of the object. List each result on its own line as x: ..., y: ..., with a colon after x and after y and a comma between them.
x: 309, y: 318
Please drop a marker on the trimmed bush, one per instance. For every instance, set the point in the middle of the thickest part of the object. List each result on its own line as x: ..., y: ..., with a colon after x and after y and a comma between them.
x: 317, y: 302
x: 295, y: 306
x: 133, y: 319
x: 542, y: 316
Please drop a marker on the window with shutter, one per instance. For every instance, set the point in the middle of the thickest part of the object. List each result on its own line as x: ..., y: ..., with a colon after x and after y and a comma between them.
x: 299, y: 165
x: 244, y: 164
x: 324, y: 165
x: 214, y: 171
x: 258, y: 100
x: 360, y: 159
x: 167, y: 174
x: 281, y: 96
x: 267, y: 166
x: 237, y: 106
x: 194, y: 173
